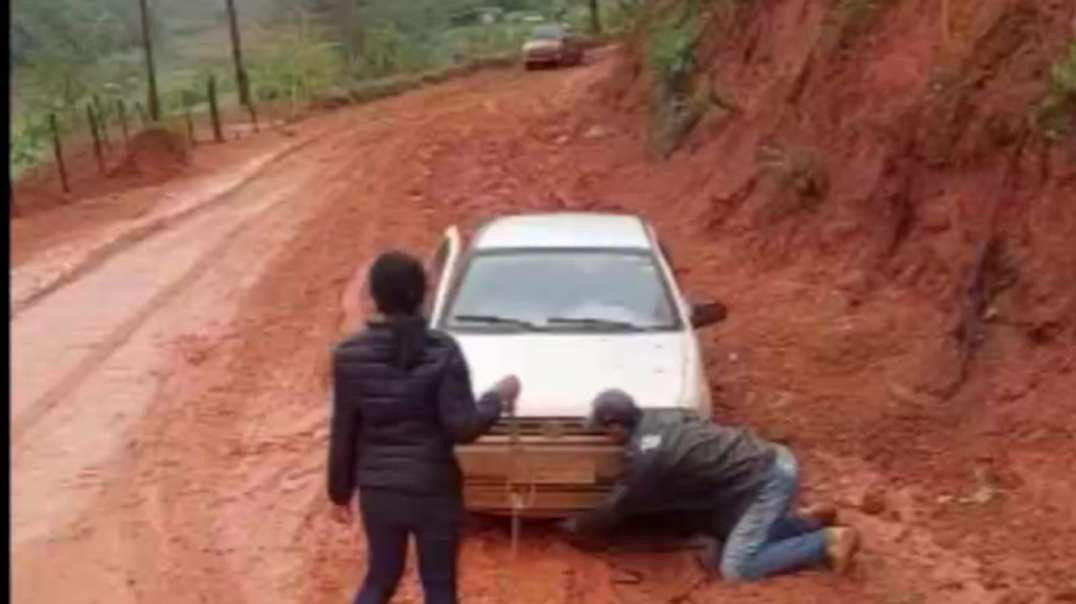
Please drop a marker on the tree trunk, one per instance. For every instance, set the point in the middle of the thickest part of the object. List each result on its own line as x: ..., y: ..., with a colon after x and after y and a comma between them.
x: 595, y: 18
x: 58, y: 152
x: 95, y: 133
x: 147, y: 40
x: 214, y: 111
x: 241, y: 80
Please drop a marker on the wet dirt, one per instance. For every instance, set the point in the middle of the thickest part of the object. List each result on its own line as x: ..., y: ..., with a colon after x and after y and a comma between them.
x: 171, y: 447
x: 99, y: 202
x: 156, y: 154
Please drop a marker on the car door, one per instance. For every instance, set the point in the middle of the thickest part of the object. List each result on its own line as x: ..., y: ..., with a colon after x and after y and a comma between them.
x: 442, y: 271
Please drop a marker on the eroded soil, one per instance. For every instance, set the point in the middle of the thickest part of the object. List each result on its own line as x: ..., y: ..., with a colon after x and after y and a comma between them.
x: 169, y: 414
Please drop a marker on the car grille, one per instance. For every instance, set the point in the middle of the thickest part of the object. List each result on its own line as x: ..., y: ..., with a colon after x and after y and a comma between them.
x: 543, y: 54
x: 549, y: 427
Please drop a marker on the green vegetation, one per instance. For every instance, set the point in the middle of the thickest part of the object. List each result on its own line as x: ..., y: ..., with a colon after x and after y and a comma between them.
x: 859, y: 8
x: 1056, y: 111
x: 675, y: 104
x: 65, y: 51
x: 799, y: 177
x: 849, y: 17
x: 293, y: 65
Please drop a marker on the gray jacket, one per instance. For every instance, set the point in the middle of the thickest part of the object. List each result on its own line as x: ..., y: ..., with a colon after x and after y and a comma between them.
x: 686, y: 467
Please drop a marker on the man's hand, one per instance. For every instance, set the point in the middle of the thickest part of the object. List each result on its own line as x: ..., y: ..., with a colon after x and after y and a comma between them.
x: 341, y: 514
x: 508, y: 388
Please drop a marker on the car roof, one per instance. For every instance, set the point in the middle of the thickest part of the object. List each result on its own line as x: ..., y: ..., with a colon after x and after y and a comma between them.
x: 586, y: 230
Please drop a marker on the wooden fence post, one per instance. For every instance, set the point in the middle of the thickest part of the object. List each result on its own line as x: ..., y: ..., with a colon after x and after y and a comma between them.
x: 141, y: 113
x: 190, y: 128
x: 102, y: 120
x: 214, y: 111
x: 270, y: 115
x: 242, y: 79
x: 96, y: 138
x: 253, y: 116
x: 151, y: 71
x: 121, y: 108
x: 58, y: 151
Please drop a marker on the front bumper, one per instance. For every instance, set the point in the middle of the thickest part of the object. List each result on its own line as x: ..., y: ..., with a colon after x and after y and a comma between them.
x: 555, y: 469
x: 535, y: 57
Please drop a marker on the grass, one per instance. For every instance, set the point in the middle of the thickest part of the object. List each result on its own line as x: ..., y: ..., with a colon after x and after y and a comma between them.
x: 799, y: 177
x: 291, y: 64
x: 675, y: 106
x: 859, y: 8
x: 1055, y: 112
x: 849, y: 17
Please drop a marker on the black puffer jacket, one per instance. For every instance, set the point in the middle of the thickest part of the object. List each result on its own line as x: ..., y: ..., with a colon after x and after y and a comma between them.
x: 395, y: 428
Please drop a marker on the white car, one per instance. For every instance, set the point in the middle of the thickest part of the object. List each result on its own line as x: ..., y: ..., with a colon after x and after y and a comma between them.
x: 572, y: 303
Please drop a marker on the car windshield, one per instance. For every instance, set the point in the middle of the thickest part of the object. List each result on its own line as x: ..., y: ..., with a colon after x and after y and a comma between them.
x: 546, y: 32
x: 562, y: 291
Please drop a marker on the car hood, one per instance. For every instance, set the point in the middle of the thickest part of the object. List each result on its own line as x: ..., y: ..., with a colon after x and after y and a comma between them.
x: 562, y: 373
x: 539, y: 45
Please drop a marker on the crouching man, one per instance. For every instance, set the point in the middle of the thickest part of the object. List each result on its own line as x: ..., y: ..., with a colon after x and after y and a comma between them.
x: 736, y: 487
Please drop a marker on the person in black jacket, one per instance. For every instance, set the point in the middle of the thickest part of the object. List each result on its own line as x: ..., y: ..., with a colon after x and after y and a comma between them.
x: 402, y: 400
x: 724, y: 480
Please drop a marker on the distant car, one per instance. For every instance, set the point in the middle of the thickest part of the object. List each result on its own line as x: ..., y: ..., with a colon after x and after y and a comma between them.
x: 572, y: 303
x: 552, y: 45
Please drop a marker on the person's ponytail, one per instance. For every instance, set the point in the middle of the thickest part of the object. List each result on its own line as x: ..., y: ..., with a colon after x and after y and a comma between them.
x: 398, y: 285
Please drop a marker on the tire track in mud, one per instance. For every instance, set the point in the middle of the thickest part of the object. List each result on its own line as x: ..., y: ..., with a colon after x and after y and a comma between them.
x: 232, y: 431
x: 221, y: 498
x: 103, y: 344
x: 143, y: 464
x: 103, y: 349
x: 102, y: 254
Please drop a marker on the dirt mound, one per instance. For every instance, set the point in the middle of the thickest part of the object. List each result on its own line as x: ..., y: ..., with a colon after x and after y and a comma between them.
x: 155, y: 154
x: 904, y: 175
x: 153, y: 157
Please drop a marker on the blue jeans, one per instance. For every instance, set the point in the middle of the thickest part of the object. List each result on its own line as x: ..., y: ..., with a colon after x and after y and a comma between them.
x: 389, y: 519
x: 768, y: 539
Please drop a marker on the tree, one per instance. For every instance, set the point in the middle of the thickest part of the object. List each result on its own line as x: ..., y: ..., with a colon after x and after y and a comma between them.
x: 595, y: 19
x: 147, y: 40
x: 242, y: 82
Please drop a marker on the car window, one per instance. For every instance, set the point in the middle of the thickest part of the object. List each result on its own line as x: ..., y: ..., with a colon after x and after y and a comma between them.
x: 547, y: 32
x: 564, y: 291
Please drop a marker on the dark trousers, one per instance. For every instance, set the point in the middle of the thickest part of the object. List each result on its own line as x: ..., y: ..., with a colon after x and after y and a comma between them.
x: 389, y: 518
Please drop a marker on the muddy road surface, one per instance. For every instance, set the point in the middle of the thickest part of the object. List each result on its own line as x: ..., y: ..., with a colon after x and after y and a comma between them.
x: 169, y: 402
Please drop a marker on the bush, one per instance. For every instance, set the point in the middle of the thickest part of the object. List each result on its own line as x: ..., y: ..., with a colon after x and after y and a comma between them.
x: 622, y: 16
x: 294, y: 65
x: 29, y: 144
x: 387, y: 51
x: 1056, y: 111
x: 670, y: 57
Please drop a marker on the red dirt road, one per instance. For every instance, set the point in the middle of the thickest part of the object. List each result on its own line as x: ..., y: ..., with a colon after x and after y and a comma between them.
x: 169, y: 414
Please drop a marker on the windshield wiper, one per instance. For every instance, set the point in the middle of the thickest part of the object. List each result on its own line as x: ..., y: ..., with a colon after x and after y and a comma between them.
x: 495, y: 320
x: 593, y: 322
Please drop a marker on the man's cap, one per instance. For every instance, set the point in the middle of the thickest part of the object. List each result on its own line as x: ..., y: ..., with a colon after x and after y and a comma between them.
x: 613, y: 407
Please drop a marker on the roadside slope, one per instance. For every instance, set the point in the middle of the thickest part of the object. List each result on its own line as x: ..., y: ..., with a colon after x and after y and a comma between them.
x: 218, y: 495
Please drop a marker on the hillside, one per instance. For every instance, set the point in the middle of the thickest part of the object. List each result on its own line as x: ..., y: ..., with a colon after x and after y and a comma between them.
x: 925, y: 188
x: 887, y: 208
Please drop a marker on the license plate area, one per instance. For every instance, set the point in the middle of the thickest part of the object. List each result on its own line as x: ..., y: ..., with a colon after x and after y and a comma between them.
x: 535, y: 470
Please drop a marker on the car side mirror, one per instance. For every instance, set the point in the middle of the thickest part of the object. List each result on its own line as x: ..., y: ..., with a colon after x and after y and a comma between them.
x: 709, y: 313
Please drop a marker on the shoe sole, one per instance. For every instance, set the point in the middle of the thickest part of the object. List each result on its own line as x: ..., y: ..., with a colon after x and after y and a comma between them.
x: 842, y: 564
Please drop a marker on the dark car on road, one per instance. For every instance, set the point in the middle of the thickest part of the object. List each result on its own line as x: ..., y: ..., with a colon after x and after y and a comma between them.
x: 552, y: 45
